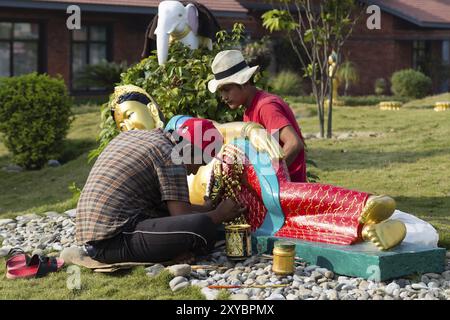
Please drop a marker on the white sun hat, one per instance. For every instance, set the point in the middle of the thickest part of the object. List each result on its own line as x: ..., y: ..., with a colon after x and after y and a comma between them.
x: 229, y: 66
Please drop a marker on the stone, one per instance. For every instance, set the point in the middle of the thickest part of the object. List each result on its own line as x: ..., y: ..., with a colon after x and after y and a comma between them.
x: 419, y: 286
x: 154, y: 270
x: 316, y: 275
x: 304, y: 293
x: 239, y: 297
x: 210, y: 294
x: 180, y: 286
x: 71, y: 213
x: 329, y: 274
x: 57, y: 247
x: 13, y: 168
x: 6, y: 221
x: 363, y: 285
x: 446, y: 275
x: 332, y: 294
x: 276, y: 296
x: 199, y: 283
x: 177, y: 280
x: 291, y: 296
x: 359, y: 260
x: 52, y: 214
x: 4, y: 251
x: 53, y: 163
x: 311, y: 268
x: 180, y: 270
x: 391, y: 287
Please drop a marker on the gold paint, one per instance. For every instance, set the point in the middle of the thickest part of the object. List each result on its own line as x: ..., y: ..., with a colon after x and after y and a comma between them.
x: 238, y: 241
x: 377, y: 209
x: 283, y: 258
x: 386, y: 234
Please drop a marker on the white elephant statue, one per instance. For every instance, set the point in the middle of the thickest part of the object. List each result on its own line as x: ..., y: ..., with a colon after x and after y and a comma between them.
x: 178, y: 22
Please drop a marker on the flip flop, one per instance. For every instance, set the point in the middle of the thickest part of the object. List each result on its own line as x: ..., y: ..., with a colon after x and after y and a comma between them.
x: 37, y: 267
x: 17, y: 259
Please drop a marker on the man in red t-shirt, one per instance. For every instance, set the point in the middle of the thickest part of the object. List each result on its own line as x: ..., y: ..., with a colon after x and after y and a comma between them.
x: 233, y: 81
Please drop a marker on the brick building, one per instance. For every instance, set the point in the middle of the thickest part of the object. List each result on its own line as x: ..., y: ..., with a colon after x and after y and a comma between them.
x: 34, y: 36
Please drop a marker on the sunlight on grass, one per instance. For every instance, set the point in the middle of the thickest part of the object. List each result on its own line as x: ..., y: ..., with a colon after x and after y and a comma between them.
x: 408, y: 158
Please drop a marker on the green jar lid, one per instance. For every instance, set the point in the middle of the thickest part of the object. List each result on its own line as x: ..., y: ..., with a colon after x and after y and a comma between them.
x: 285, y: 245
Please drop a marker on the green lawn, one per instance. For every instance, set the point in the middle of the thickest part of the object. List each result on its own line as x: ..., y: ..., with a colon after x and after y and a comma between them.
x: 409, y: 159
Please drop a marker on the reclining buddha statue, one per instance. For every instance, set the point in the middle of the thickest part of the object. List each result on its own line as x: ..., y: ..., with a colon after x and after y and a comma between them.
x: 250, y: 169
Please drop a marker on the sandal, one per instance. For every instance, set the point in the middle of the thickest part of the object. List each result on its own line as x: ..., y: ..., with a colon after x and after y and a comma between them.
x: 17, y: 259
x: 37, y: 266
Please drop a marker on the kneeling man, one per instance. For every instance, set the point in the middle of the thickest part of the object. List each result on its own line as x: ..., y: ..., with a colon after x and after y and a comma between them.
x: 135, y: 204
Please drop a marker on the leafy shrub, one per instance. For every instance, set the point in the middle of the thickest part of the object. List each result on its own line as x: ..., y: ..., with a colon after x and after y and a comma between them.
x: 103, y: 75
x: 380, y: 86
x: 35, y: 113
x: 287, y: 83
x: 180, y: 85
x: 347, y: 74
x: 410, y: 83
x: 258, y: 53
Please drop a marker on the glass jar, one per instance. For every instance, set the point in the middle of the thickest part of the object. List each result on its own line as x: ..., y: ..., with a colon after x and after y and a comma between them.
x: 283, y: 258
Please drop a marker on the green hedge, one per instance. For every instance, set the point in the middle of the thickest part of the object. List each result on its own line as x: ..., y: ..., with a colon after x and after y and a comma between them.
x: 410, y: 83
x: 35, y: 116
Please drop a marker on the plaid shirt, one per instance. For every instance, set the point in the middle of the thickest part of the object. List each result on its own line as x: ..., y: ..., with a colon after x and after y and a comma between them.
x: 132, y: 178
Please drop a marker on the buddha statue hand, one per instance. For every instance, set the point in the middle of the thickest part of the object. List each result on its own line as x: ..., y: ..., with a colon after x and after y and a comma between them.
x: 261, y: 140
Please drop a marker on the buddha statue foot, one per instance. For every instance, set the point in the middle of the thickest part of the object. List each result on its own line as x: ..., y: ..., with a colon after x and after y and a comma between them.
x: 377, y: 209
x: 386, y: 234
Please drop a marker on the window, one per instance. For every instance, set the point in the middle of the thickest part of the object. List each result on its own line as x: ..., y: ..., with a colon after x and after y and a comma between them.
x: 19, y: 48
x: 421, y: 54
x: 90, y: 45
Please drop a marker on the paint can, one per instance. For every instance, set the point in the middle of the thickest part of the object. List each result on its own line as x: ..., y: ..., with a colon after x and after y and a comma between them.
x: 238, y: 241
x: 283, y: 257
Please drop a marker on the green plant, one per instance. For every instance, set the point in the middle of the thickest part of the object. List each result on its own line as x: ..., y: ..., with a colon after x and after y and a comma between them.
x: 380, y: 86
x: 287, y: 83
x: 347, y: 74
x: 75, y: 190
x: 180, y: 85
x: 102, y: 75
x: 410, y: 83
x: 258, y: 53
x: 35, y: 113
x: 310, y: 176
x: 316, y: 30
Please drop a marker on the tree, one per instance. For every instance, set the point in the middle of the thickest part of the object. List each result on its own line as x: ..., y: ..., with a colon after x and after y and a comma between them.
x: 315, y: 30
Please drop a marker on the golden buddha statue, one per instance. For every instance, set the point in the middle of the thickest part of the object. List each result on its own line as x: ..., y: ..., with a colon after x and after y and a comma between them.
x: 308, y: 211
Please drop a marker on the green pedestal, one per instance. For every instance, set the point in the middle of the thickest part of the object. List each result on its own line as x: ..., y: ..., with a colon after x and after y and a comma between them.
x: 363, y: 260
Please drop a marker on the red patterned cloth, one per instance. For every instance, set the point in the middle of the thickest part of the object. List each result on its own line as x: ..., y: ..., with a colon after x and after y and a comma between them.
x: 313, y: 211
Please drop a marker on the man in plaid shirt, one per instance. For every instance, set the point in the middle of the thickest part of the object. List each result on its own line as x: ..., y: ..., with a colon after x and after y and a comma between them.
x: 135, y: 204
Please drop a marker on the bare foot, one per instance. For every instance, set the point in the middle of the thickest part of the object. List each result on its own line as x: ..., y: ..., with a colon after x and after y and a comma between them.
x: 386, y: 234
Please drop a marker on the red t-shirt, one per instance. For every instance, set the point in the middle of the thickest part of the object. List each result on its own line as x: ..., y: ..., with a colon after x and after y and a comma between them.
x: 274, y: 114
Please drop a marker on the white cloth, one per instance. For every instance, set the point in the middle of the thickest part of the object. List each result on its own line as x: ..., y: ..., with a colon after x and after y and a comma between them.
x: 418, y: 231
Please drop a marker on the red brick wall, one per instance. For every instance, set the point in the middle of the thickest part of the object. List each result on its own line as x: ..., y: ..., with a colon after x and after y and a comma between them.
x: 127, y: 42
x: 377, y: 53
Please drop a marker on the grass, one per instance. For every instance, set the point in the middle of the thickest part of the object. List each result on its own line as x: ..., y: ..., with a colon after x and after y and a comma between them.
x: 47, y: 189
x: 409, y: 160
x: 428, y: 102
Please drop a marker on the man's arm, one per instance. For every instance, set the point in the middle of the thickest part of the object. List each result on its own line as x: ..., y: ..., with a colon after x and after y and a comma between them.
x: 292, y: 144
x: 225, y: 211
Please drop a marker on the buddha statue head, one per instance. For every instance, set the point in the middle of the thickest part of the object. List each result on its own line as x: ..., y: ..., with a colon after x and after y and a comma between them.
x: 133, y: 108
